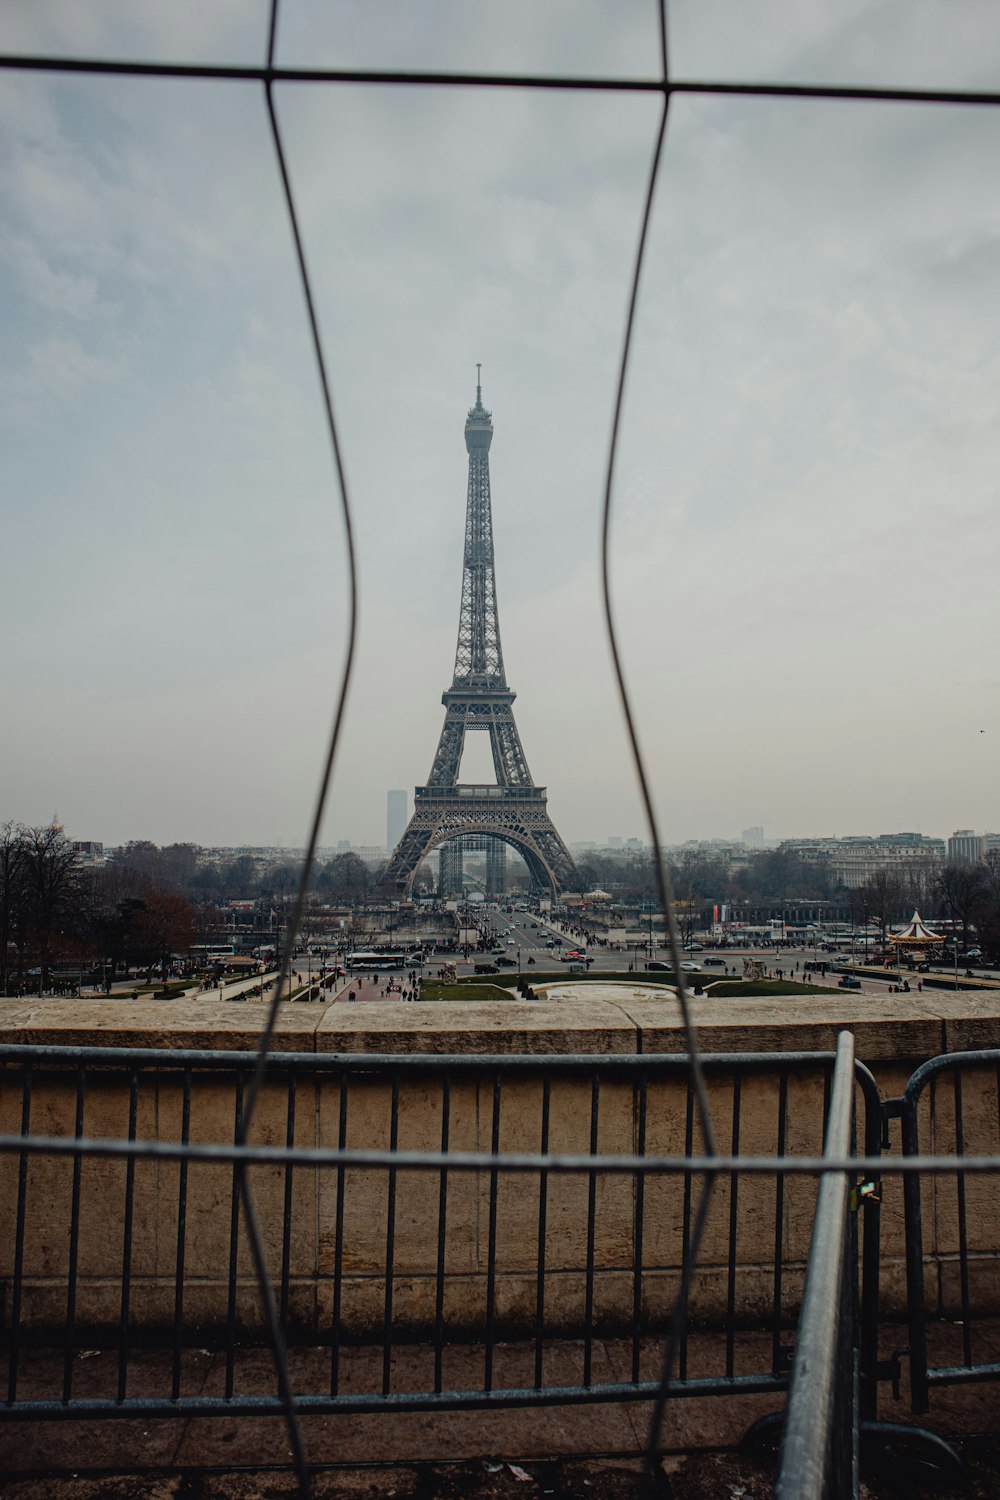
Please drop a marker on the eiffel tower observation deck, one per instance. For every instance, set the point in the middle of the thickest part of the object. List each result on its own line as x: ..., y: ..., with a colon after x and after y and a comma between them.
x: 514, y: 810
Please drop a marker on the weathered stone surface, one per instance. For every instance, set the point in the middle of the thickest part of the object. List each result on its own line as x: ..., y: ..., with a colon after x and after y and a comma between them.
x: 520, y: 1026
x: 894, y: 1035
x: 202, y: 1023
x: 884, y: 1028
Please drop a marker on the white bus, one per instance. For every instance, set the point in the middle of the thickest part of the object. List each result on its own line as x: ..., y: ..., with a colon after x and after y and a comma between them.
x: 376, y: 961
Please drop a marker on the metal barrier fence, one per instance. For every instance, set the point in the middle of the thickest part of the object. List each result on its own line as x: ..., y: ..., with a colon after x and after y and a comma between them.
x: 820, y: 1448
x: 447, y: 1232
x: 957, y: 1273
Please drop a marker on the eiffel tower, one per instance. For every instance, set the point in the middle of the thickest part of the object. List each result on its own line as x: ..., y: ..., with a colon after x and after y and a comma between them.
x: 514, y: 809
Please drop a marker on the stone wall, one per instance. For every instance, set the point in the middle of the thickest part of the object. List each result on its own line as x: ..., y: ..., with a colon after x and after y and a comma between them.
x: 893, y: 1036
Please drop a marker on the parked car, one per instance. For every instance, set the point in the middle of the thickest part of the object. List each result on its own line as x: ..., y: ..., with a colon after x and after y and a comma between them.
x: 506, y: 963
x: 690, y: 967
x: 485, y: 968
x: 659, y: 966
x: 716, y: 963
x: 849, y: 982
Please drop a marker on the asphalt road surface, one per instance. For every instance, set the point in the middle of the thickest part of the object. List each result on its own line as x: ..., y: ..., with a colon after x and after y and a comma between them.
x: 524, y: 937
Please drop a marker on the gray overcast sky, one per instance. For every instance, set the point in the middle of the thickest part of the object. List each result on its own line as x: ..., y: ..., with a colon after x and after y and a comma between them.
x: 805, y: 543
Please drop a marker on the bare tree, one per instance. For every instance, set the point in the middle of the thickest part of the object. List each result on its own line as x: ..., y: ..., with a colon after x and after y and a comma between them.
x: 918, y: 880
x: 12, y: 891
x: 345, y: 878
x: 882, y: 897
x: 988, y: 917
x: 51, y: 890
x: 964, y: 892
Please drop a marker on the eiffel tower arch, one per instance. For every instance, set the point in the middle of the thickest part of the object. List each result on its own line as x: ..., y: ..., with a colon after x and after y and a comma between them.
x: 479, y: 701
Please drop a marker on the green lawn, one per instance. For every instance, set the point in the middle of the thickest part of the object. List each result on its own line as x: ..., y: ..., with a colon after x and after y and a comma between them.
x: 464, y: 991
x: 509, y: 977
x: 727, y: 989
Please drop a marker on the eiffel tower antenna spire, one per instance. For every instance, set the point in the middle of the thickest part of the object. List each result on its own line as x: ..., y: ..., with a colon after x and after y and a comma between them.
x: 513, y: 810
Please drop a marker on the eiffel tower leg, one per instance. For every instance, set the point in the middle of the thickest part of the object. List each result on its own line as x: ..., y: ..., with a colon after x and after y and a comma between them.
x: 404, y: 862
x: 448, y: 756
x: 517, y: 816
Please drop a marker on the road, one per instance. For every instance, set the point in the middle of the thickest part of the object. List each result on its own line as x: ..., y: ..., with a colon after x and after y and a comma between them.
x: 525, y: 936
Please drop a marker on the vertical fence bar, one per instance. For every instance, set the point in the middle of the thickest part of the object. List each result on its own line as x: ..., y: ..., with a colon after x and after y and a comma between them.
x: 682, y: 1349
x: 543, y: 1206
x: 914, y: 1259
x: 734, y: 1181
x: 22, y: 1204
x: 816, y: 1458
x: 390, y: 1244
x: 870, y: 1214
x: 74, y: 1245
x: 123, y: 1312
x: 286, y: 1236
x: 779, y: 1225
x: 637, y: 1246
x: 491, y: 1247
x: 963, y: 1227
x: 588, y: 1314
x: 182, y: 1188
x: 338, y: 1248
x: 234, y: 1244
x: 442, y: 1224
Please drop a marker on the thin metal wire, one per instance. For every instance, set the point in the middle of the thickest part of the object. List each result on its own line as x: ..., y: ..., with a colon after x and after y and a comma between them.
x: 484, y: 1161
x: 283, y: 982
x: 678, y: 1320
x: 241, y: 1154
x: 662, y: 875
x: 552, y: 82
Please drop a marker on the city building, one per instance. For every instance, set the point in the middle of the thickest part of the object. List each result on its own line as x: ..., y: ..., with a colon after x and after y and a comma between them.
x: 850, y: 861
x: 753, y: 838
x: 397, y: 814
x: 89, y: 853
x: 965, y: 847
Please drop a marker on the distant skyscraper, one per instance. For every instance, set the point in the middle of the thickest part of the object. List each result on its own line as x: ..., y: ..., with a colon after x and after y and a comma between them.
x: 753, y: 838
x: 396, y: 814
x: 965, y: 847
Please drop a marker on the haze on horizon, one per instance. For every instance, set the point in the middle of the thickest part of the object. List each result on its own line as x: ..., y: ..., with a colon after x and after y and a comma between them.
x: 805, y: 542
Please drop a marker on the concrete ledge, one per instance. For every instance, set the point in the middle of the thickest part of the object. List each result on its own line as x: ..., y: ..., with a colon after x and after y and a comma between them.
x: 487, y: 1026
x: 901, y: 1029
x: 210, y: 1024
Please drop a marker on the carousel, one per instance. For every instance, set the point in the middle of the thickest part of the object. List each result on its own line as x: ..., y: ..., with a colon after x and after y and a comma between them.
x: 916, y: 937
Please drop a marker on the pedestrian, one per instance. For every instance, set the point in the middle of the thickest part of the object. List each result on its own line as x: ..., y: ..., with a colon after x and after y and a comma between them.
x: 351, y: 995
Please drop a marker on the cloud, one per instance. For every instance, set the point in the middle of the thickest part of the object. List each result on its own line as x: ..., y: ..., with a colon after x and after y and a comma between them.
x: 55, y: 370
x: 56, y: 290
x: 803, y: 514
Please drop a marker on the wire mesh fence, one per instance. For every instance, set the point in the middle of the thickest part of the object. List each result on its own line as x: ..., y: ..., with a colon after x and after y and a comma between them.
x: 200, y: 1240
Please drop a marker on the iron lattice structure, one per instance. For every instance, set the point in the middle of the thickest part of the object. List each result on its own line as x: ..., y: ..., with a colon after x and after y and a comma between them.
x: 514, y: 810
